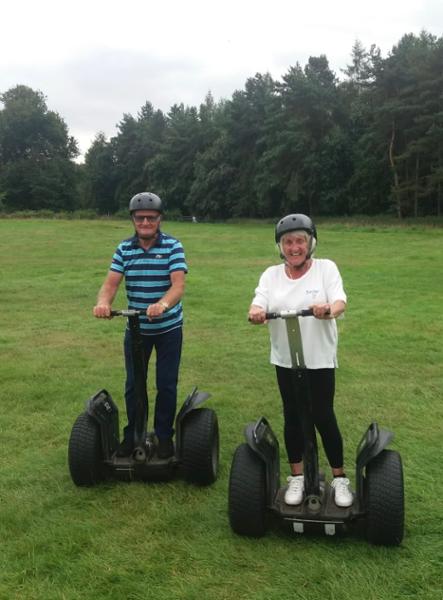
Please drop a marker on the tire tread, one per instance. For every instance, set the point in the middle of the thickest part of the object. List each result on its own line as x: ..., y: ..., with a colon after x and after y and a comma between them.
x: 200, y: 443
x: 85, y: 454
x: 385, y: 499
x: 247, y: 493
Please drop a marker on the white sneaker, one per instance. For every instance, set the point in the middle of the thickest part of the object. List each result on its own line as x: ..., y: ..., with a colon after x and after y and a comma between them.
x: 294, y: 493
x: 342, y: 494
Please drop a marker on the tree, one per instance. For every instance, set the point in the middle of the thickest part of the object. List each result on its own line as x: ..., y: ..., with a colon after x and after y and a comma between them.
x: 408, y: 92
x: 210, y: 195
x: 367, y: 188
x: 173, y: 165
x: 300, y: 129
x: 36, y: 152
x: 101, y: 176
x: 138, y: 142
x: 245, y: 122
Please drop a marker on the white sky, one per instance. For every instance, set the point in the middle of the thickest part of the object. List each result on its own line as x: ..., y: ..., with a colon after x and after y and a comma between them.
x: 96, y: 60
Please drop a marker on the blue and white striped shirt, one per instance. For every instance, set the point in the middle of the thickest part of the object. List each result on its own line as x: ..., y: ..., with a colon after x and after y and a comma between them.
x: 147, y: 278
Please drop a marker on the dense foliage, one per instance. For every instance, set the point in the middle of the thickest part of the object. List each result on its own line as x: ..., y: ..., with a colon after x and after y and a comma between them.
x: 36, y: 152
x: 371, y: 143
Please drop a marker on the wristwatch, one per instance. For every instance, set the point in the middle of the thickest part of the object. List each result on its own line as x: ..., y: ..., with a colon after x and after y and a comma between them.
x: 164, y: 304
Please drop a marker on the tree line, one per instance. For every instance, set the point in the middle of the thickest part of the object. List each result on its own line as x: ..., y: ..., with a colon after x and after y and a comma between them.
x: 369, y: 143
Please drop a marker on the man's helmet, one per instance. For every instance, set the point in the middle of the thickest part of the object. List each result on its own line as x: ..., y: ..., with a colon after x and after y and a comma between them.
x: 145, y: 201
x: 294, y: 223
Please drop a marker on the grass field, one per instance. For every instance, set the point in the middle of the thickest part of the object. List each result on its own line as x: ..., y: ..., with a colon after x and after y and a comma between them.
x: 172, y: 540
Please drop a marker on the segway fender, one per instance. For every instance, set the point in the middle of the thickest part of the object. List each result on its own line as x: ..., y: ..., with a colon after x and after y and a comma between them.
x: 371, y: 444
x: 102, y: 409
x: 192, y: 402
x: 262, y: 440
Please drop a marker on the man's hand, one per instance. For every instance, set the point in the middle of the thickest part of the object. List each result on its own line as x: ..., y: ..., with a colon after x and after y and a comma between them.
x: 155, y: 310
x: 102, y: 311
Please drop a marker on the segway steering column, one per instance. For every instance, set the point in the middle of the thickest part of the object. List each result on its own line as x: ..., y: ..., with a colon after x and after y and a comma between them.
x: 139, y: 364
x: 301, y: 382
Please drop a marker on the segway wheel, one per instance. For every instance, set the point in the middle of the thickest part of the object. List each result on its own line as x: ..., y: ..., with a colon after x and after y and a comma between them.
x: 385, y: 499
x: 200, y: 446
x: 247, y: 493
x: 85, y: 454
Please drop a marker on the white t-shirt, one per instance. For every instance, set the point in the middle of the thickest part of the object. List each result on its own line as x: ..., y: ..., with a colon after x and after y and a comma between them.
x: 277, y: 292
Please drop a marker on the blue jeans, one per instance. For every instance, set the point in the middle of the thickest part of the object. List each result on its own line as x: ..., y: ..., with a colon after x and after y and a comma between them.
x: 168, y: 349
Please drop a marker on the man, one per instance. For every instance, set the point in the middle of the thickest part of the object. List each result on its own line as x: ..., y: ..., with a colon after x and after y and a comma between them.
x: 154, y: 267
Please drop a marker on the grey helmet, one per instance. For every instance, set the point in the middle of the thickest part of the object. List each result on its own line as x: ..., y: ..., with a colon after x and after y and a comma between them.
x: 297, y: 222
x: 145, y: 201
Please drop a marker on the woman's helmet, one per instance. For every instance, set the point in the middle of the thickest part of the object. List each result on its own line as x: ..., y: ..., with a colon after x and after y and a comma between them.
x: 297, y: 222
x: 145, y: 201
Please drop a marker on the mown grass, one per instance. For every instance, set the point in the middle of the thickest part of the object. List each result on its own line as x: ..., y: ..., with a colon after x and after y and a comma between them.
x: 172, y: 540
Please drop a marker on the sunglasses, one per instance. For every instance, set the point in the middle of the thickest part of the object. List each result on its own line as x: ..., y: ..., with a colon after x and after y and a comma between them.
x: 140, y: 219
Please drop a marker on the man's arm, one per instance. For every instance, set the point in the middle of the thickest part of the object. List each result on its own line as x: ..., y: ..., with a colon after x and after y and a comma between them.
x: 106, y: 295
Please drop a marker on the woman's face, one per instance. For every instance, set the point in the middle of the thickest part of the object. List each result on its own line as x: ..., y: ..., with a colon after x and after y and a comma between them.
x: 295, y: 248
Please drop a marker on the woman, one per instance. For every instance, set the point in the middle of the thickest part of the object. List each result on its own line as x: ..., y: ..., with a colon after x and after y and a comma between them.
x: 305, y: 282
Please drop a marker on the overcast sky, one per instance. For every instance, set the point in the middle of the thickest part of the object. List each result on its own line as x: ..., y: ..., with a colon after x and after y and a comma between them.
x: 96, y: 60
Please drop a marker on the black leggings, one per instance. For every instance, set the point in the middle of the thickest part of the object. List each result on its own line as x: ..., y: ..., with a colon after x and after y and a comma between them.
x: 322, y: 384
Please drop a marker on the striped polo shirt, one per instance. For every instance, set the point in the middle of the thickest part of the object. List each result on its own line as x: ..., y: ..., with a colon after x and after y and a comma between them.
x: 147, y: 278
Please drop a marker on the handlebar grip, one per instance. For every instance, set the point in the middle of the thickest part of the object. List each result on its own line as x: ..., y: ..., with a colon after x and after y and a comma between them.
x: 307, y: 312
x: 272, y: 315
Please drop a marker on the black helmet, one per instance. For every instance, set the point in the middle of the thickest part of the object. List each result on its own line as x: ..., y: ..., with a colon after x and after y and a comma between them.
x: 293, y: 222
x: 297, y: 222
x: 145, y: 201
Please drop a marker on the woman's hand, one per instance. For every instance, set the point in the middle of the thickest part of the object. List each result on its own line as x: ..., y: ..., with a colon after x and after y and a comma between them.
x: 257, y: 314
x: 329, y: 311
x: 322, y: 311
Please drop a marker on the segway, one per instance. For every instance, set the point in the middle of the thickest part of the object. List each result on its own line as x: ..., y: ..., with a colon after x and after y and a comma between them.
x: 254, y: 486
x: 94, y: 439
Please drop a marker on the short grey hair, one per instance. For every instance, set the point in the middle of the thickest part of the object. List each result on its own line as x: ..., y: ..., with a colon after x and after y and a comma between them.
x: 299, y: 232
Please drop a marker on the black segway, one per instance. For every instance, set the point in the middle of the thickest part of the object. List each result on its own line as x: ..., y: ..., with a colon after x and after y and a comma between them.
x: 94, y: 440
x: 254, y: 485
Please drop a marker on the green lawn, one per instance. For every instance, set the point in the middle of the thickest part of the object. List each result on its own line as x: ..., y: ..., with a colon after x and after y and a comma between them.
x: 172, y: 540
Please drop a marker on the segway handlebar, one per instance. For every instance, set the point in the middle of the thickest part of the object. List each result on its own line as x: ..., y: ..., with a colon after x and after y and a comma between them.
x: 289, y: 314
x: 127, y: 313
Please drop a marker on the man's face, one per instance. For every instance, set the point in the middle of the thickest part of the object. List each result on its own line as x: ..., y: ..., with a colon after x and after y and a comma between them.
x: 146, y: 223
